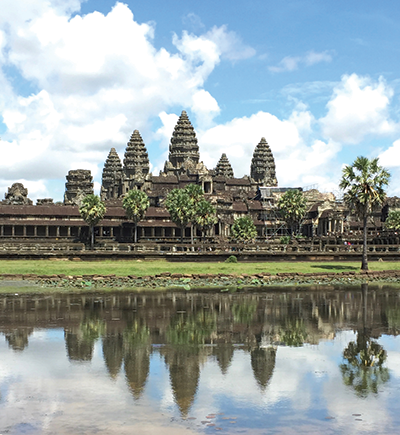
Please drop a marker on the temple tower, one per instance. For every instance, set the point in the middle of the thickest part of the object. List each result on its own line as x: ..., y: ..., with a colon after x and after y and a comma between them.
x: 136, y: 161
x: 112, y: 176
x: 79, y: 184
x: 183, y: 149
x: 262, y: 169
x: 224, y: 168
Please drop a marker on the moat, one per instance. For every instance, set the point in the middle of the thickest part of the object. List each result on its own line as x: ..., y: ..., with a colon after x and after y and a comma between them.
x: 292, y: 361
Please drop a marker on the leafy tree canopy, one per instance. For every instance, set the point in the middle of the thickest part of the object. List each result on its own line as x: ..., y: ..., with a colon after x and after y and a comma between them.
x: 393, y: 220
x: 205, y: 216
x: 364, y: 184
x: 135, y: 203
x: 243, y: 229
x: 293, y: 207
x: 92, y: 210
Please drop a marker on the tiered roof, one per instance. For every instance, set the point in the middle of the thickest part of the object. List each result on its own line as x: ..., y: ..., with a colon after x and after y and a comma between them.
x: 262, y: 169
x: 136, y: 161
x: 224, y: 168
x: 183, y: 144
x: 112, y: 168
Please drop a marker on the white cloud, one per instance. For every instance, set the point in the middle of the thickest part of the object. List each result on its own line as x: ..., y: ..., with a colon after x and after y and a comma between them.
x: 99, y: 77
x: 292, y: 63
x: 359, y: 107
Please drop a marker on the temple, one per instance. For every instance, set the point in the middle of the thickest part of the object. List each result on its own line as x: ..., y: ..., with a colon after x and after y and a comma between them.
x: 255, y: 195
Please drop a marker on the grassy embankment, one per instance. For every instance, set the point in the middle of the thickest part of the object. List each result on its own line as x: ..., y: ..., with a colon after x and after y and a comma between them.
x: 142, y: 268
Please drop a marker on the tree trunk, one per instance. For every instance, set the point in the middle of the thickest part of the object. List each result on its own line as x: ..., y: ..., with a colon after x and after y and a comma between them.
x: 182, y: 232
x: 191, y: 233
x: 134, y: 232
x: 92, y: 238
x: 364, y: 263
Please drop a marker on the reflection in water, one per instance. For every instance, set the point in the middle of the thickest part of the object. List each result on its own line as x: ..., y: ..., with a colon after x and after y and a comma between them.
x: 234, y: 345
x: 363, y: 369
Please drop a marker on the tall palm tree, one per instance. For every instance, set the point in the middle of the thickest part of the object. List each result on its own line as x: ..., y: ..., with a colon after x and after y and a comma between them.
x: 293, y: 207
x: 92, y: 211
x: 364, y: 184
x: 135, y: 203
x: 196, y: 195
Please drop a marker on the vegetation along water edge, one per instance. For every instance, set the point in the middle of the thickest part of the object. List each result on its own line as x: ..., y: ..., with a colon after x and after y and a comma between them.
x: 46, y: 275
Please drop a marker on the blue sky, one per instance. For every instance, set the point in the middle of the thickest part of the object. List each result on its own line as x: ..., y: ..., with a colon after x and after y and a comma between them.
x: 319, y: 80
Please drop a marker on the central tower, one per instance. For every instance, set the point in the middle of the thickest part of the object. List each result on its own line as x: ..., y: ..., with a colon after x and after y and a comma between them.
x: 183, y: 149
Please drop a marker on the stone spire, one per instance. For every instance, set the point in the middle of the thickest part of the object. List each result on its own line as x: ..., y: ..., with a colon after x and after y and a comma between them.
x: 183, y: 144
x: 112, y: 175
x: 79, y: 184
x: 262, y: 169
x: 136, y: 161
x: 224, y: 168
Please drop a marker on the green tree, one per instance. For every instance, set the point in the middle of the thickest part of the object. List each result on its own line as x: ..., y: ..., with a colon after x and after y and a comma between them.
x: 196, y: 195
x: 362, y: 368
x: 135, y: 203
x: 205, y: 216
x: 243, y: 229
x: 92, y: 211
x: 180, y: 209
x: 393, y: 220
x: 293, y: 207
x: 364, y: 184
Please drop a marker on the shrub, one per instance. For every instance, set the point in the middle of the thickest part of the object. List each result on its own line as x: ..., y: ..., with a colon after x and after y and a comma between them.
x: 285, y: 240
x: 231, y: 259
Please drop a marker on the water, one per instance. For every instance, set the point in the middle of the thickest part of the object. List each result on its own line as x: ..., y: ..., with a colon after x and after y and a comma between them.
x: 317, y: 361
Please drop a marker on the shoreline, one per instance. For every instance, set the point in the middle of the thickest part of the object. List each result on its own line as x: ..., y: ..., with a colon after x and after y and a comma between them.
x: 167, y: 281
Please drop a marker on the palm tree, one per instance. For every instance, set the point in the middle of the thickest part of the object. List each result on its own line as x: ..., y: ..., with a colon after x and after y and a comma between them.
x: 205, y: 216
x: 92, y: 211
x: 363, y: 184
x: 135, y: 203
x: 178, y: 205
x: 196, y: 195
x: 293, y: 206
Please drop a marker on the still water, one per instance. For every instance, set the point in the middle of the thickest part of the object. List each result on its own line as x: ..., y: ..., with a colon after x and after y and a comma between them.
x: 286, y: 362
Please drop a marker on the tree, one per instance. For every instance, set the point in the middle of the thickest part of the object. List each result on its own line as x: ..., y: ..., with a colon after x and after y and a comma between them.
x: 205, y: 216
x: 180, y: 209
x: 364, y: 184
x: 92, y: 211
x: 243, y: 229
x: 196, y: 195
x: 135, y: 203
x: 293, y: 207
x: 393, y: 220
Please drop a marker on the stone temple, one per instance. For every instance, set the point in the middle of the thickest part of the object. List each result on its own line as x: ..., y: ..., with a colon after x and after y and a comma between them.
x: 254, y: 195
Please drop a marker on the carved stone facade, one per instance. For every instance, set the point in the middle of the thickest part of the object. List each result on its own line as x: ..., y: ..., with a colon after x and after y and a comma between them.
x: 79, y: 184
x: 255, y: 195
x: 262, y: 169
x: 17, y: 195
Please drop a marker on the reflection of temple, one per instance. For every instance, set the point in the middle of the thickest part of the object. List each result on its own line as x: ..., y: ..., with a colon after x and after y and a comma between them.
x: 263, y: 364
x: 18, y: 338
x: 191, y: 328
x: 184, y: 372
x: 255, y: 195
x: 137, y: 367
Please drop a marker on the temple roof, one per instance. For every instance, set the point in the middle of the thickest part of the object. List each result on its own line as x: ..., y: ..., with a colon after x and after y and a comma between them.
x: 112, y: 168
x: 136, y: 161
x: 183, y: 144
x: 223, y: 167
x: 262, y: 168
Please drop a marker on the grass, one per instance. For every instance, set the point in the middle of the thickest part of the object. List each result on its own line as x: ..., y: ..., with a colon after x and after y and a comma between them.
x: 140, y: 268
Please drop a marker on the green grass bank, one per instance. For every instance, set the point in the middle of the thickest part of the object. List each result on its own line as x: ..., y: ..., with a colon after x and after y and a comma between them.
x: 145, y: 268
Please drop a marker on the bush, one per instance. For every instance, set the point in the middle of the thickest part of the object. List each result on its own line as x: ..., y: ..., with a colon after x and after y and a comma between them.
x: 285, y: 240
x: 231, y: 259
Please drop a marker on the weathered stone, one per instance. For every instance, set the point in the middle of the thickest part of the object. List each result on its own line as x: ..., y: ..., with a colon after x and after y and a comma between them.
x: 224, y: 168
x: 112, y: 176
x: 262, y: 169
x: 79, y: 184
x: 17, y: 195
